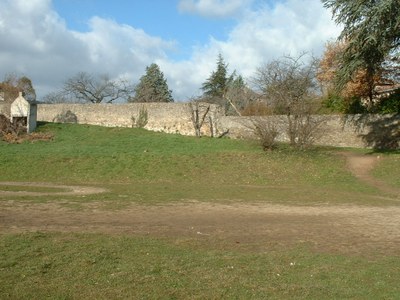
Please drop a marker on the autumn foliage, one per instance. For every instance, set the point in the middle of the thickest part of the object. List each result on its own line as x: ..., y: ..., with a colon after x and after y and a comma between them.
x: 329, y: 65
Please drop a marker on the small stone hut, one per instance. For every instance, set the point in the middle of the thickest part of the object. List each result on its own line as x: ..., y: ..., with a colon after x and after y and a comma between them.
x: 24, y: 112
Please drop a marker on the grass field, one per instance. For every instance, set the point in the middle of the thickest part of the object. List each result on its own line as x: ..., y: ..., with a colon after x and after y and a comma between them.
x: 144, y: 171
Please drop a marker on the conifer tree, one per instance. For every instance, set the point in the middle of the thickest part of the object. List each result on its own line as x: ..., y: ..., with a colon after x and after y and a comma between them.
x: 372, y: 34
x: 218, y: 82
x: 152, y: 87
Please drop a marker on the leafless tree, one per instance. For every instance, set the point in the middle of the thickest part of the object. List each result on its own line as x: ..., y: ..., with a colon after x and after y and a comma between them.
x: 289, y: 87
x: 97, y: 89
x: 198, y: 113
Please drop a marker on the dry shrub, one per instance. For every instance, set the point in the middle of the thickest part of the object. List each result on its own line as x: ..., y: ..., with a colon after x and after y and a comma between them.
x: 13, y: 138
x: 266, y: 131
x: 15, y: 134
x: 5, y: 125
x: 257, y: 108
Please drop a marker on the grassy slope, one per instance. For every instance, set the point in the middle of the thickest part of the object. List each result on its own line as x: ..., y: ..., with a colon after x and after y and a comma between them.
x: 148, y: 167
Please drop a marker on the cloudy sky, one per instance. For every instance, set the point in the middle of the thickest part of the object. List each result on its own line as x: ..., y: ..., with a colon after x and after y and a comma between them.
x: 52, y: 40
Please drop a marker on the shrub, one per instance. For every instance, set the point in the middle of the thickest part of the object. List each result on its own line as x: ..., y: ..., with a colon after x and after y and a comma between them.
x: 266, y: 131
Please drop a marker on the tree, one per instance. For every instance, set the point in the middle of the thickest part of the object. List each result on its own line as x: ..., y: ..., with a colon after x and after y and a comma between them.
x: 238, y: 95
x: 152, y: 87
x: 353, y: 96
x: 13, y: 84
x: 227, y: 91
x: 198, y: 112
x: 289, y: 87
x: 346, y: 99
x: 217, y: 84
x: 96, y: 89
x: 372, y: 33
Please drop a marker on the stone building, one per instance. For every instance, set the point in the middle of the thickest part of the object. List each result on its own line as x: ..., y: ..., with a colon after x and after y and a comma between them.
x: 24, y: 112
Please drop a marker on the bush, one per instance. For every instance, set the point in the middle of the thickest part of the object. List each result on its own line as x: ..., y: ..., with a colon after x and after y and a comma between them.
x: 142, y: 119
x: 266, y: 131
x: 8, y: 129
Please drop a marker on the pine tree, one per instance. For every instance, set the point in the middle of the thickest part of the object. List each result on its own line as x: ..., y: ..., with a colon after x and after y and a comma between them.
x: 152, y: 87
x: 217, y: 84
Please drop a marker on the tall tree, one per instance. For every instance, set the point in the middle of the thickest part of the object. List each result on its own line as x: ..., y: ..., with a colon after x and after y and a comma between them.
x: 152, y: 87
x: 96, y: 89
x: 372, y: 33
x: 226, y: 90
x: 348, y: 98
x: 216, y: 85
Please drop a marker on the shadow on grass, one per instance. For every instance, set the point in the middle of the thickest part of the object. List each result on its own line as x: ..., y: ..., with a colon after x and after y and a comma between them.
x: 379, y: 132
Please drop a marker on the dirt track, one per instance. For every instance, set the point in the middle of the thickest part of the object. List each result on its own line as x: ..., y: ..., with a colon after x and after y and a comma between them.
x: 259, y: 227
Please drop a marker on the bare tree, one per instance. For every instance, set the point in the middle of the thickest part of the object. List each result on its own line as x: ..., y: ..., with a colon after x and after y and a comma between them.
x: 198, y: 114
x: 97, y: 89
x: 289, y: 87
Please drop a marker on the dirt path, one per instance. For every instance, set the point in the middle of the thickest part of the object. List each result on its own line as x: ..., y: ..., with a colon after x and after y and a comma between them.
x: 361, y: 167
x: 256, y: 227
x: 65, y: 190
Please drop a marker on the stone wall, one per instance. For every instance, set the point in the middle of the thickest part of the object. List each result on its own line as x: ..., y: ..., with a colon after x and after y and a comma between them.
x: 334, y: 130
x: 165, y: 117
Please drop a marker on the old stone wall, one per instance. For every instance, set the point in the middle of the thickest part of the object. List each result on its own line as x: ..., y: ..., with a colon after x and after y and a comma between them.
x: 165, y: 117
x: 334, y: 130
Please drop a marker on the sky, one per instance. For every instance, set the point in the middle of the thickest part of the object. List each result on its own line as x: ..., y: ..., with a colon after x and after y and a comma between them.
x: 50, y: 41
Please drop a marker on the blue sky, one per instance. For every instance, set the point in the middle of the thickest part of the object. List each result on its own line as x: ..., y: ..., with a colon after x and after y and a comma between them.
x: 51, y: 40
x: 156, y: 17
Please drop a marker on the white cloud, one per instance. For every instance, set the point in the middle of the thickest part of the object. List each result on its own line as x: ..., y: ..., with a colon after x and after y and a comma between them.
x: 213, y: 8
x: 38, y: 43
x: 288, y: 28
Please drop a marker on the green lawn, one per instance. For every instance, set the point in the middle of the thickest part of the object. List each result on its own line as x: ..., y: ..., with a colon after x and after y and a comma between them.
x: 82, y: 266
x: 147, y: 168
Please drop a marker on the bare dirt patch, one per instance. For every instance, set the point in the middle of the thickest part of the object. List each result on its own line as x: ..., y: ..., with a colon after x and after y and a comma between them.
x: 68, y: 190
x: 256, y: 227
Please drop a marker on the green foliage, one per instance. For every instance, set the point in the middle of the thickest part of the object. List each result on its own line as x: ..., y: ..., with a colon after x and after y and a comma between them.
x: 226, y: 91
x: 334, y: 103
x: 152, y: 87
x: 371, y: 29
x: 217, y: 84
x: 339, y: 104
x: 389, y: 105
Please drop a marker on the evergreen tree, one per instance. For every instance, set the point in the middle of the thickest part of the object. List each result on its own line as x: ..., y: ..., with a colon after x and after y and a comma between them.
x: 372, y: 33
x: 152, y: 87
x: 217, y: 84
x: 226, y: 91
